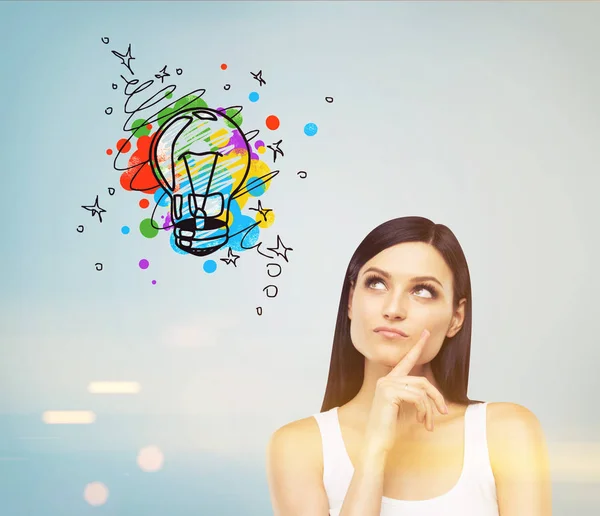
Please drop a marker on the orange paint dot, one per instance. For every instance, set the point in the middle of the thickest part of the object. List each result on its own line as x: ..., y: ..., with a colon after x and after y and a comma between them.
x: 223, y: 66
x: 144, y: 203
x: 123, y: 145
x: 109, y: 151
x: 272, y: 122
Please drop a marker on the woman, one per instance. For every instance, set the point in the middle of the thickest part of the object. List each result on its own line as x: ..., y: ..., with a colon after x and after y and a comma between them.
x: 397, y: 433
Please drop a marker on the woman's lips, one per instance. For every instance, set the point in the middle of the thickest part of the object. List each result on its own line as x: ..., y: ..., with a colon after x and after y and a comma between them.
x: 391, y: 333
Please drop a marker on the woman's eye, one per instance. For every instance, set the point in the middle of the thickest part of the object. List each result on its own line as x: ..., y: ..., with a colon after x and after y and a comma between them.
x: 379, y: 284
x: 430, y: 292
x: 370, y: 282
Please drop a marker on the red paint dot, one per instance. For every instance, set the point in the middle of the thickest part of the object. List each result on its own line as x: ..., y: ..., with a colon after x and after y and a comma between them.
x: 109, y: 151
x: 144, y: 203
x: 223, y: 66
x: 272, y: 122
x: 123, y: 145
x: 149, y: 126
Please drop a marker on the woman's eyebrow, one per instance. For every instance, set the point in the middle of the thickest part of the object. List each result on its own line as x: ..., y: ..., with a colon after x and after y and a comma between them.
x: 416, y: 278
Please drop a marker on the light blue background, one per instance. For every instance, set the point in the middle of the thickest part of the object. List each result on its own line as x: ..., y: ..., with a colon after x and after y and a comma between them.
x: 481, y: 116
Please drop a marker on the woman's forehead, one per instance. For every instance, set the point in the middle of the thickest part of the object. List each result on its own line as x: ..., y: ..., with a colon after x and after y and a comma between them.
x: 411, y: 259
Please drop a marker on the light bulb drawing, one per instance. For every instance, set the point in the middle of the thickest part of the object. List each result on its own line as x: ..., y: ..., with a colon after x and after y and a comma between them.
x: 201, y: 158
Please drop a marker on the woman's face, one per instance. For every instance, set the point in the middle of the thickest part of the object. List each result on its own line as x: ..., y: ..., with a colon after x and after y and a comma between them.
x: 392, y: 291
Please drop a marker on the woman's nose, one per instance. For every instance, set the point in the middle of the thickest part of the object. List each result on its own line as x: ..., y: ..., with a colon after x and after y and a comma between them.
x: 395, y: 307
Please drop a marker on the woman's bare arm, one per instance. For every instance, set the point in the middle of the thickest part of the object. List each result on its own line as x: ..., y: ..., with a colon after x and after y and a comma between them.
x: 364, y: 494
x: 295, y: 470
x: 295, y: 475
x: 519, y: 461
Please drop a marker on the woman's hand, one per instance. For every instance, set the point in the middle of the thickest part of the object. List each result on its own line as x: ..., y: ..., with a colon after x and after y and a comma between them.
x: 393, y: 389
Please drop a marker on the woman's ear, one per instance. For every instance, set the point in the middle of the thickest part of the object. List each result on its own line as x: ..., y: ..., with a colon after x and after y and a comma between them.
x: 457, y: 319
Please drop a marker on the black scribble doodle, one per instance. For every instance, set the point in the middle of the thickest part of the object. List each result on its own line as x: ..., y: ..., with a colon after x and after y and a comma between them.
x: 125, y: 58
x: 247, y: 230
x: 95, y: 209
x: 196, y: 206
x: 329, y: 99
x: 266, y: 290
x: 231, y: 258
x: 269, y: 272
x: 258, y: 76
x: 276, y: 150
x: 80, y: 229
x: 302, y: 174
x: 162, y: 74
x: 277, y: 250
x: 199, y: 210
x: 108, y: 110
x: 250, y: 135
x: 257, y: 247
x: 261, y: 210
x: 256, y: 182
x: 132, y: 92
x: 105, y: 40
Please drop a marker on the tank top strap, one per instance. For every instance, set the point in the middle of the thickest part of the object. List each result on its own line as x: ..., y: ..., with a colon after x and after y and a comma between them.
x: 332, y: 441
x: 476, y: 455
x: 337, y: 467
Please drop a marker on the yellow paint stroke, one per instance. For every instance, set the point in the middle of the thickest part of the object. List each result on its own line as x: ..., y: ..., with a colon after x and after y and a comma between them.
x: 223, y: 217
x: 257, y: 169
x: 262, y: 223
x: 220, y: 138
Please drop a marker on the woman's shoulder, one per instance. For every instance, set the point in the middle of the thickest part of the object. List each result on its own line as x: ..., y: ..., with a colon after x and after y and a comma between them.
x: 297, y: 442
x: 513, y: 433
x: 295, y: 469
x: 505, y: 414
x: 301, y: 430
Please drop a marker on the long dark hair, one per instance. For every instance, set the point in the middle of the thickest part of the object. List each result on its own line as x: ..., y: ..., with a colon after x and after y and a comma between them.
x: 451, y: 365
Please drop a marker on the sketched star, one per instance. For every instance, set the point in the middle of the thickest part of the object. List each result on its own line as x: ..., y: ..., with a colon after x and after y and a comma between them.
x: 95, y: 209
x: 124, y: 57
x: 258, y: 76
x: 277, y: 251
x: 162, y: 74
x: 231, y: 258
x: 276, y: 150
x: 261, y: 210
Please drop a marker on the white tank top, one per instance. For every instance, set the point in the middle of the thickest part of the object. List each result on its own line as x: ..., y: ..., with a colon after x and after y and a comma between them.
x: 473, y: 495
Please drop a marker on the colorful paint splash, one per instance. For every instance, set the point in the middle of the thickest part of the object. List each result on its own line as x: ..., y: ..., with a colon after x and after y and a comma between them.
x: 198, y: 168
x: 272, y: 122
x: 210, y: 266
x: 310, y: 129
